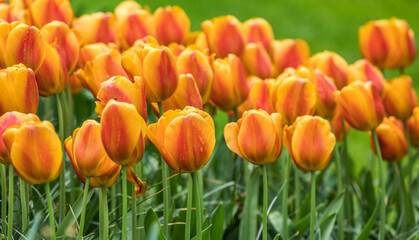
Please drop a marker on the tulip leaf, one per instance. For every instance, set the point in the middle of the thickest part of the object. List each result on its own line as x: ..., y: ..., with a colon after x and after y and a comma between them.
x: 248, y: 223
x: 326, y: 226
x: 277, y: 236
x: 32, y: 233
x: 371, y: 221
x: 217, y: 219
x: 151, y: 221
x: 204, y: 233
x: 328, y: 216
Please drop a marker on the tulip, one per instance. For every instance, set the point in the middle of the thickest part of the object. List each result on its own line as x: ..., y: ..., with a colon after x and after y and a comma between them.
x: 185, y: 138
x: 258, y: 30
x: 126, y: 7
x: 364, y: 71
x: 399, y: 97
x: 186, y: 94
x: 132, y: 25
x: 7, y: 120
x: 10, y: 13
x: 4, y: 33
x: 140, y: 185
x: 391, y: 139
x: 413, y: 128
x: 310, y: 142
x: 289, y: 53
x: 171, y: 25
x: 325, y: 88
x: 259, y: 96
x: 35, y: 151
x: 197, y: 64
x: 201, y: 42
x: 333, y: 65
x: 294, y: 97
x: 123, y: 132
x: 361, y: 105
x: 42, y: 12
x: 74, y: 82
x: 339, y: 125
x: 25, y: 45
x: 256, y: 137
x: 90, y: 51
x: 18, y: 90
x: 122, y: 90
x: 257, y: 61
x: 388, y: 43
x: 96, y: 27
x: 65, y: 40
x: 224, y: 35
x: 230, y: 86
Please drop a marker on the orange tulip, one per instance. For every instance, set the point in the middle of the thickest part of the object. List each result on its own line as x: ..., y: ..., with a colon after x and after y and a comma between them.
x: 259, y: 96
x: 140, y: 186
x: 336, y: 122
x: 256, y: 137
x: 126, y: 7
x: 185, y: 138
x: 224, y: 35
x: 258, y: 30
x: 42, y: 12
x: 388, y: 43
x: 293, y: 97
x: 123, y: 132
x: 364, y: 71
x: 289, y: 53
x: 257, y: 61
x: 186, y: 94
x: 90, y: 51
x: 230, y: 85
x: 325, y: 88
x: 74, y: 82
x: 399, y: 97
x: 123, y: 90
x: 10, y: 13
x: 310, y: 142
x: 96, y: 27
x: 35, y: 151
x: 171, y: 25
x: 198, y: 65
x: 361, y: 105
x: 333, y: 65
x: 413, y: 128
x: 18, y: 90
x: 7, y: 120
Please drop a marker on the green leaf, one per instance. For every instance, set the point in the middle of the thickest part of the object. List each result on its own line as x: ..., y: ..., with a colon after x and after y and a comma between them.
x: 277, y: 236
x: 217, y: 219
x: 150, y: 222
x: 367, y: 229
x: 328, y: 216
x: 275, y: 219
x: 205, y: 233
x: 31, y: 235
x: 326, y: 226
x: 248, y: 224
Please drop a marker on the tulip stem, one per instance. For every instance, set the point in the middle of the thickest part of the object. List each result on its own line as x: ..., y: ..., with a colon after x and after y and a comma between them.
x: 3, y: 197
x: 297, y: 192
x: 134, y: 212
x: 265, y: 204
x: 50, y: 212
x: 286, y: 175
x: 312, y: 204
x: 166, y: 198
x: 83, y: 209
x: 247, y: 201
x: 25, y: 217
x: 124, y: 202
x: 103, y: 212
x: 340, y: 188
x: 198, y: 201
x: 113, y: 202
x: 382, y: 186
x: 189, y: 206
x: 62, y: 175
x: 10, y: 214
x: 409, y: 153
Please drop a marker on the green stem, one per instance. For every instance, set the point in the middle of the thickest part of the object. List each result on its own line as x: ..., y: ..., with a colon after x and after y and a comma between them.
x: 409, y: 153
x: 265, y: 204
x: 3, y: 197
x: 103, y: 212
x: 166, y: 198
x: 134, y: 212
x: 248, y: 207
x: 113, y: 201
x: 312, y: 204
x: 340, y: 188
x: 189, y: 206
x: 198, y: 200
x: 25, y: 217
x: 124, y: 202
x: 297, y: 192
x: 10, y: 214
x: 382, y: 186
x: 50, y: 212
x: 286, y: 175
x: 62, y: 175
x: 83, y: 210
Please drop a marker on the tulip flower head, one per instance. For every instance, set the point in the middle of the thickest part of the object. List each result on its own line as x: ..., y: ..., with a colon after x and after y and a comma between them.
x: 171, y: 25
x: 257, y: 61
x: 186, y: 94
x: 289, y: 53
x: 413, y: 128
x: 258, y: 30
x: 399, y: 97
x: 259, y: 95
x: 42, y: 12
x: 364, y: 71
x: 333, y: 65
x: 96, y: 27
x: 339, y: 125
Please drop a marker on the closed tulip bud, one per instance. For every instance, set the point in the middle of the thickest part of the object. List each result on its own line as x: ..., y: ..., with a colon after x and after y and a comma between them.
x: 126, y: 7
x: 35, y: 151
x: 325, y: 88
x: 339, y: 125
x: 7, y: 120
x: 310, y: 142
x: 413, y: 128
x: 96, y: 27
x: 230, y: 85
x: 90, y: 51
x: 18, y: 90
x: 361, y: 105
x: 51, y: 77
x: 259, y: 96
x: 289, y: 53
x: 123, y: 132
x: 224, y: 35
x: 123, y: 90
x: 197, y: 64
x: 186, y: 94
x: 259, y: 30
x: 256, y: 137
x: 294, y: 97
x: 66, y: 41
x: 171, y: 25
x: 399, y: 97
x: 364, y: 71
x: 25, y: 45
x: 257, y: 61
x: 42, y: 12
x: 185, y: 138
x: 132, y: 26
x: 333, y: 65
x: 74, y: 82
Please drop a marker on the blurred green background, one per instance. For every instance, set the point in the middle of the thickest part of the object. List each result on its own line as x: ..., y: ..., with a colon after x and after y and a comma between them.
x: 324, y: 24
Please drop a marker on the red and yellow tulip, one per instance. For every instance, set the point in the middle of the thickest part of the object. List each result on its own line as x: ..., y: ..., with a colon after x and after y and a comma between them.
x: 257, y: 61
x: 399, y: 97
x: 96, y: 27
x: 289, y: 53
x: 171, y: 25
x: 186, y: 94
x: 413, y: 128
x: 258, y: 30
x: 333, y: 65
x: 42, y: 12
x: 364, y: 71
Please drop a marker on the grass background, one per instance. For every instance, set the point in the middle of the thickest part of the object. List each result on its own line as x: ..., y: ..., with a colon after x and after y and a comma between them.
x: 324, y: 24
